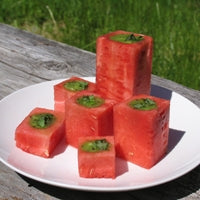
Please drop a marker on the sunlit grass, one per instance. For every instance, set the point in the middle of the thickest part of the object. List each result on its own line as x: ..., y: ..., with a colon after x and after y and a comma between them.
x: 174, y: 25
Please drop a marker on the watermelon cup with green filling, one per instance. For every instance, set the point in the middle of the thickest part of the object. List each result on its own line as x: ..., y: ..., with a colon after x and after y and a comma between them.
x: 96, y: 157
x: 141, y: 128
x: 88, y: 114
x: 40, y: 132
x: 123, y: 64
x: 68, y: 88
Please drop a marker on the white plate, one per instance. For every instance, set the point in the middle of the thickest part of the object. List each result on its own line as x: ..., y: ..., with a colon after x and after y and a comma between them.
x: 61, y: 170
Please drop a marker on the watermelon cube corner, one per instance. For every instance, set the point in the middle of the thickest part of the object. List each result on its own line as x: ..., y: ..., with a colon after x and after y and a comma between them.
x: 40, y: 132
x: 88, y: 114
x: 67, y: 88
x: 96, y: 157
x: 141, y: 129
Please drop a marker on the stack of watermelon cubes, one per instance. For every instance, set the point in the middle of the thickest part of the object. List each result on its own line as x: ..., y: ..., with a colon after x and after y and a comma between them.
x: 116, y: 116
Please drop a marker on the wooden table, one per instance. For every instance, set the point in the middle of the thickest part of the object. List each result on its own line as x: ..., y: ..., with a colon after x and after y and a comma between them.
x: 27, y: 59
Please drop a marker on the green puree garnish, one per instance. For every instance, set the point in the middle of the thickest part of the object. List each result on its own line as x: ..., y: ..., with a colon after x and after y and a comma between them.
x: 76, y: 85
x: 128, y: 39
x: 143, y: 104
x: 96, y: 146
x: 90, y: 101
x: 42, y: 120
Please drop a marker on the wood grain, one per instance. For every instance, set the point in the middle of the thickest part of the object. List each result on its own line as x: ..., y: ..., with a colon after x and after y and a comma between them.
x: 27, y: 59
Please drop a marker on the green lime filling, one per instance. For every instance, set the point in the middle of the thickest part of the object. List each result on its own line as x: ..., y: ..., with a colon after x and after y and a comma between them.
x: 42, y: 120
x: 94, y: 146
x: 127, y: 38
x: 76, y: 85
x: 143, y: 104
x: 90, y: 101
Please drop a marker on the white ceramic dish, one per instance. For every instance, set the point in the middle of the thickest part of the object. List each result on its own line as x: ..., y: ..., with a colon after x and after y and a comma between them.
x: 61, y: 170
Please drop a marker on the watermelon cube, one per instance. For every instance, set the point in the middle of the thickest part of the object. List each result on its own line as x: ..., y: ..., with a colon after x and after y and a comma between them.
x: 96, y: 157
x: 88, y: 114
x: 141, y: 128
x: 123, y: 64
x: 40, y: 132
x: 66, y: 89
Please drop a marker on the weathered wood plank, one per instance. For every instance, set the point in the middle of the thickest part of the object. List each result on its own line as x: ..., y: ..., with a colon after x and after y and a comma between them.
x: 43, y: 58
x: 26, y: 59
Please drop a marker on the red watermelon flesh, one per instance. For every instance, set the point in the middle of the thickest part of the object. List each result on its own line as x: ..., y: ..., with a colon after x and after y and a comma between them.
x: 141, y: 137
x: 41, y: 142
x: 96, y: 164
x: 123, y: 70
x: 82, y: 121
x: 61, y: 94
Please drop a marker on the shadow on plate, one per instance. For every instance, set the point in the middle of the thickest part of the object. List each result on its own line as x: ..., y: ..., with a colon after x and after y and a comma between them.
x: 161, y: 92
x: 174, y: 138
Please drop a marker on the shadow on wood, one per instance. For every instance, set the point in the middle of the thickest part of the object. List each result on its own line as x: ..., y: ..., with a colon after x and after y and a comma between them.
x: 173, y: 190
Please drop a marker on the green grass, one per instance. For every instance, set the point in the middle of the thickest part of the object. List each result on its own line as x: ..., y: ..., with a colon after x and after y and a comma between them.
x: 174, y: 25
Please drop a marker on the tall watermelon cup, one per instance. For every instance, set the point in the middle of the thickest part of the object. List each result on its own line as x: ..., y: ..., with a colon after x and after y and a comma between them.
x: 123, y: 64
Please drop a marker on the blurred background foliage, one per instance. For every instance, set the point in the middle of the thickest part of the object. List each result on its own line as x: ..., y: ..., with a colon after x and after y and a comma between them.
x: 174, y: 25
